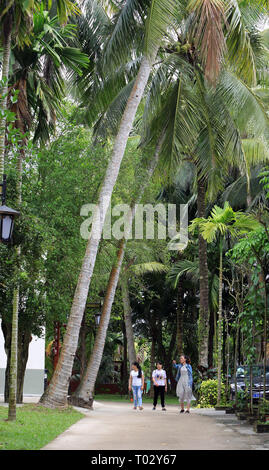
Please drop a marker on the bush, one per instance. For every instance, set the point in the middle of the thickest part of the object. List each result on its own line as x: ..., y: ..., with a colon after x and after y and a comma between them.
x: 209, y: 393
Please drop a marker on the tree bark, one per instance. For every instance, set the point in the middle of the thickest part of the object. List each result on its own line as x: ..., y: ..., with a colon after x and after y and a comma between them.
x: 56, y: 395
x: 24, y: 338
x: 124, y: 371
x: 211, y: 340
x: 128, y: 319
x: 180, y: 319
x: 220, y: 324
x: 4, y: 90
x: 84, y: 393
x: 203, y: 321
x: 152, y: 363
x: 15, y: 311
x: 236, y: 355
x: 80, y: 397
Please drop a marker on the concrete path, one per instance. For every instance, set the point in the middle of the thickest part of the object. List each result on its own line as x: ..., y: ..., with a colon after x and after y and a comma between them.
x: 116, y: 426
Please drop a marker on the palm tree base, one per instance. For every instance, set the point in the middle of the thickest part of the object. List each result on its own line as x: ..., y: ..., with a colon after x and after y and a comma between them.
x: 78, y: 401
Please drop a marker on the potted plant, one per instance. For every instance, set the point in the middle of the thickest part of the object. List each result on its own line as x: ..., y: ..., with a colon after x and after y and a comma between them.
x: 264, y: 411
x: 260, y: 426
x: 242, y: 409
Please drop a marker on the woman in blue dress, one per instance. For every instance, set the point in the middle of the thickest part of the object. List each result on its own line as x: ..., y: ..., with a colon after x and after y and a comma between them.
x: 184, y: 382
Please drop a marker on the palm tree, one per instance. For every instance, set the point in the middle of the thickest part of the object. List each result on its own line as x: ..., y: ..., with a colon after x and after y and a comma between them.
x: 84, y: 393
x: 159, y: 17
x: 28, y: 59
x: 220, y: 223
x: 15, y: 22
x: 194, y: 115
x: 16, y: 18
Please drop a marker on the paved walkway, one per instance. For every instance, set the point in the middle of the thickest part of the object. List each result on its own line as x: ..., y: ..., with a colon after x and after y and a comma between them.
x: 116, y: 426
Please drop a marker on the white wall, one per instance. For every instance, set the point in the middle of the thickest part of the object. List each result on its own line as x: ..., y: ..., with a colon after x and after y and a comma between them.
x: 34, y: 375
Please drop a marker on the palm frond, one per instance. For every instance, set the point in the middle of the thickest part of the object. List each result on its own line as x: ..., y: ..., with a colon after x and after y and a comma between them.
x: 151, y: 267
x: 183, y: 267
x: 161, y: 15
x: 207, y: 32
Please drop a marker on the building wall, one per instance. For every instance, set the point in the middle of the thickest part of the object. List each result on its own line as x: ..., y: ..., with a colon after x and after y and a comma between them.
x: 34, y: 375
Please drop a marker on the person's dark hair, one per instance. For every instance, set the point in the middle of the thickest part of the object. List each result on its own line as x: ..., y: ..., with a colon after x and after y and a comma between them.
x: 159, y: 362
x: 187, y: 359
x: 139, y: 369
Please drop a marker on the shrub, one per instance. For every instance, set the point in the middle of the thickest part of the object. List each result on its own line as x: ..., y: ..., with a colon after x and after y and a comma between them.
x: 209, y: 393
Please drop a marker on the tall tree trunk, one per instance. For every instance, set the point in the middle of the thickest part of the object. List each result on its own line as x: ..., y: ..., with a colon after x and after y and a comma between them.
x: 24, y: 338
x: 236, y: 356
x: 265, y: 295
x: 227, y: 353
x: 56, y: 395
x: 4, y: 90
x: 211, y: 340
x: 203, y: 321
x: 89, y: 384
x: 82, y: 349
x: 125, y: 374
x: 220, y: 322
x: 128, y: 319
x: 169, y: 355
x: 152, y: 363
x: 15, y: 311
x: 180, y: 319
x: 84, y: 394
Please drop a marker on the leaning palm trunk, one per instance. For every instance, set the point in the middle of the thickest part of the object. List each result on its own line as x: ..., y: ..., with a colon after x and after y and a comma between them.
x: 203, y: 322
x: 84, y: 394
x: 56, y: 393
x: 128, y: 319
x: 3, y: 96
x: 220, y: 324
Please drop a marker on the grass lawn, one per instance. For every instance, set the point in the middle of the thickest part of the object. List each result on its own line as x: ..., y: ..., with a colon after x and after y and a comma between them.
x: 169, y: 399
x: 34, y: 427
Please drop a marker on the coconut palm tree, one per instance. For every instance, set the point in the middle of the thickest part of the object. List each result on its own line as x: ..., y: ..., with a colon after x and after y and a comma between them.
x: 15, y: 22
x: 195, y: 113
x: 159, y: 17
x: 28, y: 58
x: 220, y: 223
x: 84, y: 393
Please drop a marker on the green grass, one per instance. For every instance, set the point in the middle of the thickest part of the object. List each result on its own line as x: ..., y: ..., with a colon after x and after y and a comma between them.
x: 169, y: 399
x: 34, y: 427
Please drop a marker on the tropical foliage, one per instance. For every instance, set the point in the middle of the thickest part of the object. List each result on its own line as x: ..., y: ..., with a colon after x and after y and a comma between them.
x: 134, y: 102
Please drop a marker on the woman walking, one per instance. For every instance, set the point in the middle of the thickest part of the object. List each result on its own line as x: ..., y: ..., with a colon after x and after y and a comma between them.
x: 136, y: 384
x: 184, y: 382
x: 160, y: 385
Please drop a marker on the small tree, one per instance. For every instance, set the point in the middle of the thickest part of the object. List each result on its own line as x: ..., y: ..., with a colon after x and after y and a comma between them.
x: 218, y: 225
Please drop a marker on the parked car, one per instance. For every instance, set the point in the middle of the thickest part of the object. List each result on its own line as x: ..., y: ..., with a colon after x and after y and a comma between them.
x: 243, y: 381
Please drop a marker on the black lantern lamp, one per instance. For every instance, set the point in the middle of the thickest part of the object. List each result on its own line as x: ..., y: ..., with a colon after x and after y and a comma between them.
x: 7, y: 216
x: 97, y: 316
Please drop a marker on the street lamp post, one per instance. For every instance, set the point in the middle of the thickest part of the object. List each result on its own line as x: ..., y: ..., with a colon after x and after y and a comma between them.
x: 99, y: 305
x: 7, y: 215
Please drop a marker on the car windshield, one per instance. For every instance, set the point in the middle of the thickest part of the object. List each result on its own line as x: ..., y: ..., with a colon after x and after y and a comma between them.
x: 257, y: 371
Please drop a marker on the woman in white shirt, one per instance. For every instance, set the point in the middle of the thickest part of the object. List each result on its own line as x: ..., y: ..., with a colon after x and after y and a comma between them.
x: 136, y: 384
x: 160, y: 385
